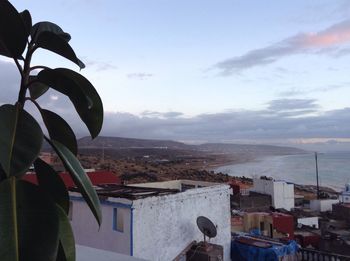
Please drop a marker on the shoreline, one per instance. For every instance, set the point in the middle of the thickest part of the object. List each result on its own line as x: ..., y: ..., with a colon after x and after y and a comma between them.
x: 198, y: 167
x: 307, y: 190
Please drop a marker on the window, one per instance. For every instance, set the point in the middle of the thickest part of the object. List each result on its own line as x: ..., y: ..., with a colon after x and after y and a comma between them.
x: 70, y: 211
x: 262, y: 226
x: 118, y: 220
x: 185, y: 187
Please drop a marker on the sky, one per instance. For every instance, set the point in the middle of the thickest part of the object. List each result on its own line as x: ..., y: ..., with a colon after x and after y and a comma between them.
x: 197, y: 71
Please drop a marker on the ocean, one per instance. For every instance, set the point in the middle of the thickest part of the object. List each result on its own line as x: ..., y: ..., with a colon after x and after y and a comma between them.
x: 333, y: 169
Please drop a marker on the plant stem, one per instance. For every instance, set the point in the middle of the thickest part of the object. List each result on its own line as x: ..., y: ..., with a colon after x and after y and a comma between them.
x: 34, y: 102
x: 25, y: 75
x: 18, y: 66
x: 14, y: 213
x: 39, y: 67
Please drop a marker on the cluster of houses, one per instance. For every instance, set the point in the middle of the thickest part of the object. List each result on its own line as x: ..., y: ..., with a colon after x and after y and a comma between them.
x: 157, y: 221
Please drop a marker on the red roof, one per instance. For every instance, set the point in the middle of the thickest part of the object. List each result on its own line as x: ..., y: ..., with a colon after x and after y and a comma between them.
x: 96, y: 178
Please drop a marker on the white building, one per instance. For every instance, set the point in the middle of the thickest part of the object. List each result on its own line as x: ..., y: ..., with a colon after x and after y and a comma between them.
x: 154, y: 223
x: 308, y: 221
x: 84, y: 253
x: 282, y: 193
x: 345, y: 195
x: 322, y: 205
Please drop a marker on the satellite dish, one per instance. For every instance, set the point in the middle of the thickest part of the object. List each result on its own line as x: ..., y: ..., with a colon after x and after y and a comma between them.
x: 206, y: 227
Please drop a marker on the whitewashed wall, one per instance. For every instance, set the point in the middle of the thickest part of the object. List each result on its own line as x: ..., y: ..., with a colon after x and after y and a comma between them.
x: 164, y: 226
x: 282, y: 193
x: 85, y: 253
x: 322, y: 205
x: 309, y: 221
x: 87, y: 232
x: 345, y: 195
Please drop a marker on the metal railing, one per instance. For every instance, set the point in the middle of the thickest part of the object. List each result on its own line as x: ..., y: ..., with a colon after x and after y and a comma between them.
x: 314, y: 255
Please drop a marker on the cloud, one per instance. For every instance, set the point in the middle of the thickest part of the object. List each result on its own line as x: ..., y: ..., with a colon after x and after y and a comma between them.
x: 292, y: 104
x: 140, y: 76
x: 166, y: 115
x: 99, y: 66
x: 236, y: 125
x: 325, y: 41
x: 297, y: 92
x: 276, y: 122
x: 291, y: 92
x: 281, y: 120
x: 10, y: 82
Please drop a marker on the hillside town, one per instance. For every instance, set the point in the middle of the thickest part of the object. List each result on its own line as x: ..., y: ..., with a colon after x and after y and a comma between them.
x: 174, y: 130
x: 254, y: 219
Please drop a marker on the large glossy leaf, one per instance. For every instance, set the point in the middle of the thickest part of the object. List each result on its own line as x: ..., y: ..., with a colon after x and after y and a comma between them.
x: 13, y: 36
x: 66, y: 250
x: 2, y: 174
x: 81, y: 92
x: 46, y: 26
x: 36, y: 88
x: 27, y: 21
x: 55, y: 43
x: 20, y: 139
x: 36, y: 234
x: 52, y: 184
x: 8, y: 231
x: 79, y: 177
x: 60, y: 130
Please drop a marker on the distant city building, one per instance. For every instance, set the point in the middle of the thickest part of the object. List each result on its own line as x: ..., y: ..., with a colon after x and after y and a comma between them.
x: 308, y: 221
x: 153, y: 221
x: 258, y: 248
x: 273, y: 224
x: 336, y: 234
x: 307, y: 238
x: 282, y: 193
x: 345, y: 195
x: 342, y: 211
x: 322, y: 205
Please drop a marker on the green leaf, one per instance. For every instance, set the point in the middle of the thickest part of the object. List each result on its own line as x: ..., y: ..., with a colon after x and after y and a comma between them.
x: 36, y: 88
x: 52, y: 184
x: 79, y: 177
x: 2, y: 174
x: 57, y: 44
x: 13, y: 39
x: 60, y: 130
x: 27, y: 21
x: 66, y: 250
x: 35, y: 234
x: 61, y: 256
x: 20, y: 139
x: 45, y: 26
x: 80, y: 91
x: 8, y: 231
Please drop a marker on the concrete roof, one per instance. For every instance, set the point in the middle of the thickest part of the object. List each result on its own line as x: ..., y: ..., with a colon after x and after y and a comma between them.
x: 128, y: 192
x: 85, y: 253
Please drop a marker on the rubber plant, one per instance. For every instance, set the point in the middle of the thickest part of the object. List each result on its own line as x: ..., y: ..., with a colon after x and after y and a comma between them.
x: 33, y: 217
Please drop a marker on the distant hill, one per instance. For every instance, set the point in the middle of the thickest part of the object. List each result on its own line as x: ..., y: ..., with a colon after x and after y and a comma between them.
x: 256, y: 150
x: 130, y: 144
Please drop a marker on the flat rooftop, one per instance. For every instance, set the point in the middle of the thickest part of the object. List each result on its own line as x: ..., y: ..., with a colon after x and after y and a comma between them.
x: 345, y: 205
x: 129, y: 192
x: 144, y: 190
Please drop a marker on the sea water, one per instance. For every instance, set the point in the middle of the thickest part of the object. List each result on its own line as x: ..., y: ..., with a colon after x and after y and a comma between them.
x: 333, y: 169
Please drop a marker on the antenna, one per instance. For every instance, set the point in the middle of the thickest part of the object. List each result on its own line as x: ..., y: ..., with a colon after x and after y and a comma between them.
x: 317, y: 184
x: 206, y: 227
